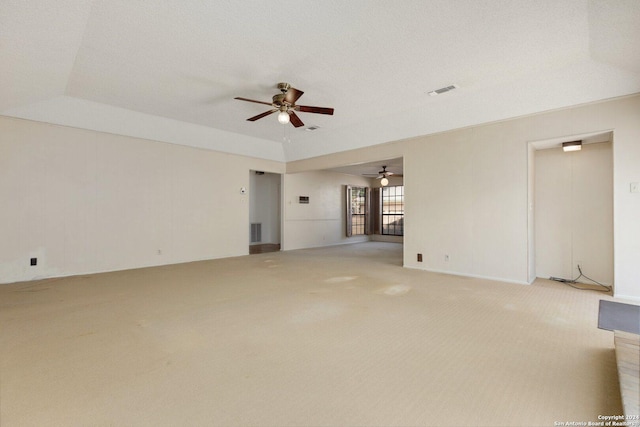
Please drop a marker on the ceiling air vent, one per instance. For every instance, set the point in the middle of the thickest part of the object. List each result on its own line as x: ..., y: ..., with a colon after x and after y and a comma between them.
x: 442, y: 90
x: 312, y: 128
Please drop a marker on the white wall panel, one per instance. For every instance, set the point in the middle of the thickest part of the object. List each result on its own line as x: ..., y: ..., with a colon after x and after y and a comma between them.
x: 322, y: 222
x: 83, y: 201
x: 491, y: 237
x: 69, y: 195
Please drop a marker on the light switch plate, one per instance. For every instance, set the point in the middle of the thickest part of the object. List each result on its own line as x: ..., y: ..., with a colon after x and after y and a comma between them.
x: 634, y: 187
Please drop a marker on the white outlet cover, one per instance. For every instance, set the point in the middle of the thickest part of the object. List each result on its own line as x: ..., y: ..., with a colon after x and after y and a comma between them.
x: 634, y: 187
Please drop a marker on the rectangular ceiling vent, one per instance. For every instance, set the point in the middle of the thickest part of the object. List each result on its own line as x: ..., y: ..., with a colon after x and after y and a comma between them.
x: 442, y: 90
x: 312, y: 128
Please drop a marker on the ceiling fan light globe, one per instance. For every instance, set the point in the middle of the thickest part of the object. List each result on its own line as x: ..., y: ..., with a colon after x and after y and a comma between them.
x: 384, y: 181
x: 283, y: 117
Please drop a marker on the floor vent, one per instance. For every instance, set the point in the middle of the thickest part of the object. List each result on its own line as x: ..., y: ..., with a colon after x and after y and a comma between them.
x: 256, y: 232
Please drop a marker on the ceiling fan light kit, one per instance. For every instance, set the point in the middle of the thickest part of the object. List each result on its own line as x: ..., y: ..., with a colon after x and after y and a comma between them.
x: 285, y: 103
x: 383, y: 176
x: 283, y: 117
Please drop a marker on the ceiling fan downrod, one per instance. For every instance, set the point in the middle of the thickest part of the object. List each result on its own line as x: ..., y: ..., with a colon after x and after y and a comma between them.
x: 284, y: 87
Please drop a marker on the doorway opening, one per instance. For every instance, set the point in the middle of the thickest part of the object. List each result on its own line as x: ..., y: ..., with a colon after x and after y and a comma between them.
x: 571, y: 209
x: 377, y: 208
x: 264, y: 212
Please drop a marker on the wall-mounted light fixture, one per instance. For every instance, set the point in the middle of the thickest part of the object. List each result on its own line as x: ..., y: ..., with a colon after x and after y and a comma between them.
x: 572, y: 146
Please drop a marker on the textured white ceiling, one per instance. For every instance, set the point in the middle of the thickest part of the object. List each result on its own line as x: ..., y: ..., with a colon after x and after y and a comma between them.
x: 169, y: 69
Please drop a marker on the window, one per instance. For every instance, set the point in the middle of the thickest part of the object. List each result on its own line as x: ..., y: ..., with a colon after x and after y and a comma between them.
x: 357, y: 211
x: 392, y: 212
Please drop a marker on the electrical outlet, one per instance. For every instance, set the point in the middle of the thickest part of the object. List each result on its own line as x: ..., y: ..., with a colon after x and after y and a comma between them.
x: 419, y: 257
x: 634, y: 187
x: 34, y: 261
x: 446, y: 258
x: 159, y: 251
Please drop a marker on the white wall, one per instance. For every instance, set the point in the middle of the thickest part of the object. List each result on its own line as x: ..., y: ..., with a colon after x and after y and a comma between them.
x: 83, y: 201
x: 264, y: 193
x: 574, y: 212
x: 466, y: 198
x: 467, y: 191
x: 472, y: 192
x: 86, y: 201
x: 531, y: 243
x: 625, y: 118
x: 323, y: 221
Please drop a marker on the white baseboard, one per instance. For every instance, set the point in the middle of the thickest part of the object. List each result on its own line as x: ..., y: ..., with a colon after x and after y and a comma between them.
x: 626, y: 297
x: 475, y: 276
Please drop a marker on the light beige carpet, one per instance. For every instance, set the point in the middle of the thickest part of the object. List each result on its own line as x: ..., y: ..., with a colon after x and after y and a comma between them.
x: 335, y: 336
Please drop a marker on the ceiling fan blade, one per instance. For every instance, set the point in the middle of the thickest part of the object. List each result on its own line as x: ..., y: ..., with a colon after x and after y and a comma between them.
x: 295, y: 120
x: 388, y: 174
x: 318, y: 110
x: 292, y: 95
x: 252, y: 100
x: 259, y: 116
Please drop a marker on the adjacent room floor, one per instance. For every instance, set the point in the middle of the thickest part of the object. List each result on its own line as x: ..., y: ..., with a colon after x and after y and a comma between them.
x: 333, y: 336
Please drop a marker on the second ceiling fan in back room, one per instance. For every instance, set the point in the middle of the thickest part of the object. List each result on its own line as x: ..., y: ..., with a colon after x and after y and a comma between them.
x: 383, y: 176
x: 285, y: 103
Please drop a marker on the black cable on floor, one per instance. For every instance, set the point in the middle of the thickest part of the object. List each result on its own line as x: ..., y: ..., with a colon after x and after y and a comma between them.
x: 571, y: 282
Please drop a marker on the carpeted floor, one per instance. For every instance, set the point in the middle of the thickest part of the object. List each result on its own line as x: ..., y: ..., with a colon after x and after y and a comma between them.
x: 340, y: 336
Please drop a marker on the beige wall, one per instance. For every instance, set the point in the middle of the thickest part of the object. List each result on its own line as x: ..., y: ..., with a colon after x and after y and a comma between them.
x: 574, y: 212
x: 468, y: 191
x: 323, y: 221
x: 83, y: 201
x: 465, y: 203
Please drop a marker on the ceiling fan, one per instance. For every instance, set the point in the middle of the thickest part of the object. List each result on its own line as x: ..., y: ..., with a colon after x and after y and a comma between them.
x: 285, y: 103
x: 383, y: 175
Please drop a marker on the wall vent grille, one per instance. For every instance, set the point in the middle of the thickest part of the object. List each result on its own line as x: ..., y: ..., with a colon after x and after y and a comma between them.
x: 256, y: 232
